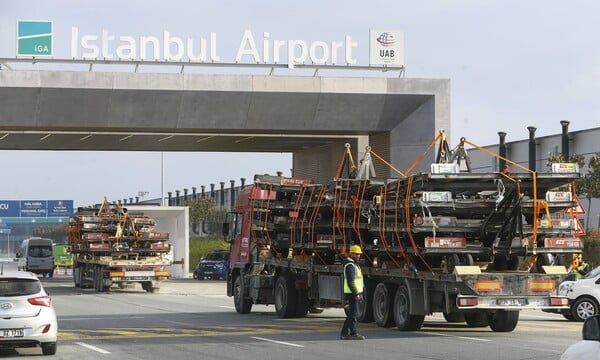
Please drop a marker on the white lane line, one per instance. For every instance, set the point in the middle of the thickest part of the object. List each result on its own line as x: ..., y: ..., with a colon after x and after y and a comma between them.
x: 91, y: 347
x: 97, y: 318
x: 275, y: 341
x: 458, y: 337
x: 227, y: 307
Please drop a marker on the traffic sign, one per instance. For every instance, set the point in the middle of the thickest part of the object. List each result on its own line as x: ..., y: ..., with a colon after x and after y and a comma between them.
x: 579, y: 230
x: 578, y: 209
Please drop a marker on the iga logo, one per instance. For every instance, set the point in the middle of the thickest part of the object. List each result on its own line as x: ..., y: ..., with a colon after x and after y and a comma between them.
x: 386, y: 39
x: 34, y: 38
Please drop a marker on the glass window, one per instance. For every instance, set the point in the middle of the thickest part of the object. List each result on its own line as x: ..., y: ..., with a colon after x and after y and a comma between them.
x: 40, y: 251
x: 19, y: 287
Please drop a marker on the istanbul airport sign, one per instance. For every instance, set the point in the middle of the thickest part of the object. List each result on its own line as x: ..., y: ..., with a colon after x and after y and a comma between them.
x: 35, y: 38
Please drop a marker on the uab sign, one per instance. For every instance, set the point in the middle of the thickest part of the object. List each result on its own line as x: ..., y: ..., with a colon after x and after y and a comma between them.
x: 34, y: 38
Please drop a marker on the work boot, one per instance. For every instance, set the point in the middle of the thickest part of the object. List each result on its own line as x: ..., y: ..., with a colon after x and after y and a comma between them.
x: 344, y: 336
x: 356, y: 337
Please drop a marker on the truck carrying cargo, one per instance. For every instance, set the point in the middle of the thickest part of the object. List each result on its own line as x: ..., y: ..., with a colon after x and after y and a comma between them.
x: 449, y: 241
x: 113, y: 246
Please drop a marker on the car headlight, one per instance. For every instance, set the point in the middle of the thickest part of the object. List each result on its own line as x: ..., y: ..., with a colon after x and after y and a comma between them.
x: 220, y: 264
x: 565, y: 288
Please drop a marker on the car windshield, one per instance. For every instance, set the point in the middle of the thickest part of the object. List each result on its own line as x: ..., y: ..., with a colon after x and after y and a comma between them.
x: 19, y: 287
x: 593, y: 273
x: 40, y: 251
x: 216, y: 256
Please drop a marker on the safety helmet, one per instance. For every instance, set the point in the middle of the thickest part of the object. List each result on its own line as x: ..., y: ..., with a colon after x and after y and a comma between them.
x: 579, y: 256
x: 355, y: 249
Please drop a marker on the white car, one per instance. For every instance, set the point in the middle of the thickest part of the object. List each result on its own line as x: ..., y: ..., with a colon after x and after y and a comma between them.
x: 27, y: 318
x: 584, y: 296
x: 589, y: 347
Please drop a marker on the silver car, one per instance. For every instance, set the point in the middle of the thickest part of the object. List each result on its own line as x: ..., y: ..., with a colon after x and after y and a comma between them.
x: 27, y: 318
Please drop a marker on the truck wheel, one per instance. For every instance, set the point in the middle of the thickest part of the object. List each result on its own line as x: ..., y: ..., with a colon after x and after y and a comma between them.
x: 285, y: 297
x: 77, y: 277
x: 402, y: 317
x: 583, y: 308
x: 382, y: 305
x: 476, y: 319
x: 242, y: 305
x: 302, y: 305
x: 455, y: 317
x: 503, y: 321
x: 364, y: 308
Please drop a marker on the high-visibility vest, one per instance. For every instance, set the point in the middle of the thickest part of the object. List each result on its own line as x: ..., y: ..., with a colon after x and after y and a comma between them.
x: 358, y: 279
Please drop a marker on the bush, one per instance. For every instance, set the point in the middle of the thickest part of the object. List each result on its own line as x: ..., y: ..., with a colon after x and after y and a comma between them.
x: 591, y: 248
x: 200, y: 246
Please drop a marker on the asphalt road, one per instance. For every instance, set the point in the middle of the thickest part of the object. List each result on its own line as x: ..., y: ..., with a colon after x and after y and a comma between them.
x: 191, y: 319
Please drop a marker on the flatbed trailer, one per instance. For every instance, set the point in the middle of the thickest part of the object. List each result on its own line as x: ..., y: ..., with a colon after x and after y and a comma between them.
x: 446, y: 241
x: 112, y: 246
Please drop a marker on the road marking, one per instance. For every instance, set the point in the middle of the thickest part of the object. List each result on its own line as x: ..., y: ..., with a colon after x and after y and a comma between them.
x: 459, y: 337
x: 91, y: 347
x: 227, y: 307
x: 96, y: 318
x: 275, y: 341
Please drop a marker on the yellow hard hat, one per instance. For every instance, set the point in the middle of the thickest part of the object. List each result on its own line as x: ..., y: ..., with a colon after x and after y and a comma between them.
x: 579, y: 256
x: 355, y: 249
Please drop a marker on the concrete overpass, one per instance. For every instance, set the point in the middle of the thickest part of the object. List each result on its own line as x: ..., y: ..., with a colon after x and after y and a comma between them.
x: 308, y: 116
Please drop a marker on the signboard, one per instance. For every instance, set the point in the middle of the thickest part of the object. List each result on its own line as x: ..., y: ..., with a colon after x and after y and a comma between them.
x: 34, y: 38
x: 35, y: 208
x: 579, y: 230
x: 386, y: 47
x: 578, y: 209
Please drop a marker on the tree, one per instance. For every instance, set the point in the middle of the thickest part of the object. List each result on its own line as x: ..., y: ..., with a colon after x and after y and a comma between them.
x: 206, y: 212
x: 588, y: 185
x: 58, y: 233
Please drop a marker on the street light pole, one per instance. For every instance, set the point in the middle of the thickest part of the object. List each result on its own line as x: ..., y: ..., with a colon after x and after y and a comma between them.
x: 162, y: 176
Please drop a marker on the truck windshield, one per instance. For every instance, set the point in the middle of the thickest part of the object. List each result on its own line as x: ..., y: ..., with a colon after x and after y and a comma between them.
x: 40, y: 251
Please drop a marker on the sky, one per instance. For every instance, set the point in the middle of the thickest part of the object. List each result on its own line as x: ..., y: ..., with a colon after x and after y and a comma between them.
x: 511, y: 63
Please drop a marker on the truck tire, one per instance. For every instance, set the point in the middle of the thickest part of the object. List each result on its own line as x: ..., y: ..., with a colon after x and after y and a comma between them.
x: 382, y: 305
x: 455, y: 317
x: 285, y: 298
x: 402, y: 317
x: 242, y: 305
x: 364, y: 308
x: 302, y: 304
x: 583, y: 308
x: 476, y: 319
x: 503, y: 320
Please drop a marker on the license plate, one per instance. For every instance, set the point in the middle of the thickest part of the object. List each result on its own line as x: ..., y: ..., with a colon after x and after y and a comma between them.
x: 12, y: 333
x: 512, y: 302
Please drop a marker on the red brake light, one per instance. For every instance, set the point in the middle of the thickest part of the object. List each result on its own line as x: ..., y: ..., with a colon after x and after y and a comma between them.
x: 41, y: 301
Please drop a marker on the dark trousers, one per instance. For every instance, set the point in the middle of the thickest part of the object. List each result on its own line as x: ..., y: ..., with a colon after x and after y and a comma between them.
x: 349, y: 327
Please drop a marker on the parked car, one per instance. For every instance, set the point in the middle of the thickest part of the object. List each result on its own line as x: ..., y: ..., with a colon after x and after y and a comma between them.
x: 584, y: 296
x: 589, y: 347
x: 27, y: 317
x: 213, y: 266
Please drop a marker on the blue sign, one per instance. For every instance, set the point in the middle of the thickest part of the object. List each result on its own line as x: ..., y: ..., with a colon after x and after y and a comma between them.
x: 10, y: 208
x: 36, y: 208
x: 5, y: 231
x: 60, y: 208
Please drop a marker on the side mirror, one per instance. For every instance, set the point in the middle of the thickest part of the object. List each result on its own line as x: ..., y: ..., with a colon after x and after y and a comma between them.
x: 591, y: 328
x: 225, y: 229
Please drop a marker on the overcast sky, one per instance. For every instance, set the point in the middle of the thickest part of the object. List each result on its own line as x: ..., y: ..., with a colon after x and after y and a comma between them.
x: 512, y: 64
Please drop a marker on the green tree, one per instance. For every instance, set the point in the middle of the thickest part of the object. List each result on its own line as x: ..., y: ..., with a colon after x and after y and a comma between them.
x: 58, y: 233
x: 205, y: 211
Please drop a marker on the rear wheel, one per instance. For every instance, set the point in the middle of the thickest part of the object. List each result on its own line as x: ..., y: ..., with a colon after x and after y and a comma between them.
x: 382, y: 305
x: 242, y: 305
x: 455, y: 317
x: 476, y: 319
x: 49, y: 348
x: 402, y: 317
x: 503, y: 321
x: 364, y: 308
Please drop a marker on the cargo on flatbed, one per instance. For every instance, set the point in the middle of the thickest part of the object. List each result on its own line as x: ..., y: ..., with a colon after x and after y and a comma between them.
x: 477, y: 247
x: 113, y: 246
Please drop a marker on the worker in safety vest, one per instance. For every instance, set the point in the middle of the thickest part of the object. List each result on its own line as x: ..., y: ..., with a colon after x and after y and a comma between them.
x: 579, y: 267
x: 353, y: 289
